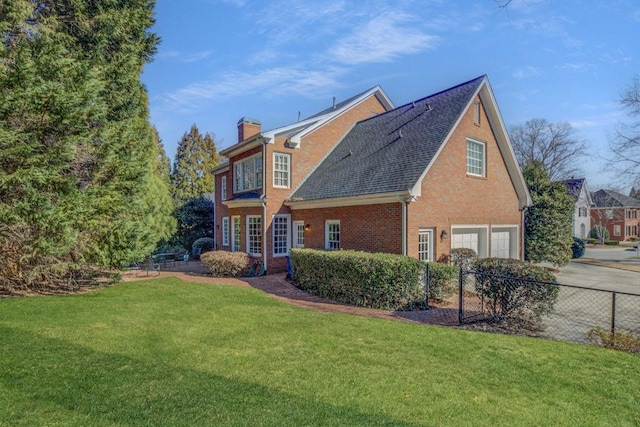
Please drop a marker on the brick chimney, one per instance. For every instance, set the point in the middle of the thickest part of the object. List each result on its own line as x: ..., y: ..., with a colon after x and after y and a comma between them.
x: 247, y: 127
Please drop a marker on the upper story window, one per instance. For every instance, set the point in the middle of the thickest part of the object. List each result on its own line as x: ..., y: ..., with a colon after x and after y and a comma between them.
x: 247, y: 174
x: 582, y: 211
x: 281, y: 170
x: 476, y: 158
x: 223, y: 188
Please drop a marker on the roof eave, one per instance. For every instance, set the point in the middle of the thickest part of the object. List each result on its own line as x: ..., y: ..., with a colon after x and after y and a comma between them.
x: 360, y: 200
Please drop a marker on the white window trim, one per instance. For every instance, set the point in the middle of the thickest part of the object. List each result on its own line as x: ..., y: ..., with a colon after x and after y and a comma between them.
x: 256, y: 183
x: 288, y: 171
x: 225, y: 231
x: 484, y: 157
x: 223, y: 188
x: 294, y: 234
x: 429, y: 232
x: 327, y: 223
x: 232, y: 234
x: 248, y: 235
x: 273, y: 235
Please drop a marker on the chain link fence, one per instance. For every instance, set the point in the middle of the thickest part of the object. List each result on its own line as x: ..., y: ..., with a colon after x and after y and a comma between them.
x: 545, y: 309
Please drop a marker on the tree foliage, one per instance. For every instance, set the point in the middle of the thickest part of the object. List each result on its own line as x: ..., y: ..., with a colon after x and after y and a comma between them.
x: 548, y: 222
x: 191, y: 176
x: 78, y: 163
x: 625, y: 145
x: 555, y: 145
x: 195, y: 220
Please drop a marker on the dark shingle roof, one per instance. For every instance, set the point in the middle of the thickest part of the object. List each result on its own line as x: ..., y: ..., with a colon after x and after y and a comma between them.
x: 389, y: 152
x: 613, y: 199
x: 574, y: 186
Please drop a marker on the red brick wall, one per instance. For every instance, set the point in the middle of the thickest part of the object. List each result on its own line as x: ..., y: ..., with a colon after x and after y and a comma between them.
x: 451, y: 197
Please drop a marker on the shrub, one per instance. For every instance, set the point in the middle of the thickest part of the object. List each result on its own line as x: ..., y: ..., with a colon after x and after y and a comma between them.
x: 463, y: 258
x: 619, y: 340
x: 591, y: 240
x: 443, y: 280
x: 365, y: 279
x: 171, y: 249
x: 516, y: 293
x: 226, y: 264
x: 599, y: 231
x: 577, y: 248
x: 611, y: 242
x: 201, y: 245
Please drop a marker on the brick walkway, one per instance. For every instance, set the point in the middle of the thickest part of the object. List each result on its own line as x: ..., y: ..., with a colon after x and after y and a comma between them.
x: 276, y: 286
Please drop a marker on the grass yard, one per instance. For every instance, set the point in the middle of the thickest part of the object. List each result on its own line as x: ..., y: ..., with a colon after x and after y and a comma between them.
x: 167, y: 352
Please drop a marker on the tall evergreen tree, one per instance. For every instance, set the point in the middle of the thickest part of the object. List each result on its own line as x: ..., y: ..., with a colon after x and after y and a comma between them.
x: 79, y: 174
x: 191, y: 175
x: 548, y: 222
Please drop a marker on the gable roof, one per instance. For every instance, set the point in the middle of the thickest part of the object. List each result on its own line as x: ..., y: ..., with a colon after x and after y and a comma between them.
x: 391, y: 153
x: 295, y: 131
x: 613, y: 199
x: 575, y: 186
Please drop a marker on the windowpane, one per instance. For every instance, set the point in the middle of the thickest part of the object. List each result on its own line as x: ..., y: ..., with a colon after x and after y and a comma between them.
x: 247, y: 174
x: 424, y: 245
x: 225, y: 231
x: 254, y: 235
x: 332, y: 236
x: 475, y: 158
x: 281, y: 170
x: 223, y: 188
x: 235, y: 247
x: 298, y: 234
x: 280, y: 235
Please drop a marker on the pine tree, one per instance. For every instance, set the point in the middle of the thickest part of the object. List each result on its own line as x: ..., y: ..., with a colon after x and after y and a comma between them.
x: 548, y: 222
x: 191, y: 176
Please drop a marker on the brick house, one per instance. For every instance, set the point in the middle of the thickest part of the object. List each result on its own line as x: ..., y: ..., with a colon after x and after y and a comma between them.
x: 579, y: 190
x: 618, y: 213
x: 420, y: 179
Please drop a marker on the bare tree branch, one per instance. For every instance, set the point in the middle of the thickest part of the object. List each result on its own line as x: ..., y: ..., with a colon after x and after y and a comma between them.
x: 555, y: 145
x: 625, y: 145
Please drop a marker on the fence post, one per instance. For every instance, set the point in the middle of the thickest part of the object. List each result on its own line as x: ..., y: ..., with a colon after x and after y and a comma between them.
x: 427, y: 281
x: 461, y: 290
x: 613, y: 314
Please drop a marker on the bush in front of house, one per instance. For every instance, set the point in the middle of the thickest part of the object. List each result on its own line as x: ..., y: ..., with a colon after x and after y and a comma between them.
x: 512, y: 292
x: 375, y: 280
x: 226, y: 264
x: 200, y: 246
x: 464, y: 258
x: 611, y: 242
x: 577, y: 248
x: 599, y: 232
x: 443, y: 280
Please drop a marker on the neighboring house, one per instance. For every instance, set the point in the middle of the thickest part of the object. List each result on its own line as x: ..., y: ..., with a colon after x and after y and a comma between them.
x: 618, y: 213
x: 420, y: 179
x: 578, y: 189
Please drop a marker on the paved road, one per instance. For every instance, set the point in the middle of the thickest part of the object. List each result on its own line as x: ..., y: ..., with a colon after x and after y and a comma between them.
x: 596, y: 277
x: 613, y: 253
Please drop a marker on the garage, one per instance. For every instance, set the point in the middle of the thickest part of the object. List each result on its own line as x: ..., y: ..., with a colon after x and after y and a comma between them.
x: 471, y: 238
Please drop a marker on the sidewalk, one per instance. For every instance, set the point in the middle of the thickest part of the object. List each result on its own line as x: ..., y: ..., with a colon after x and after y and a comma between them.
x: 277, y: 286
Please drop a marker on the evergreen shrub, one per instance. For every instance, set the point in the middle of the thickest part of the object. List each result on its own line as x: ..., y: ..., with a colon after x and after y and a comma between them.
x: 226, y: 264
x: 512, y: 292
x: 376, y: 280
x: 443, y: 280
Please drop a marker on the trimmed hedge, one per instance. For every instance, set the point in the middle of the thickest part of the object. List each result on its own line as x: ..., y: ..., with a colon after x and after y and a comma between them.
x: 611, y: 243
x: 374, y: 280
x: 226, y: 264
x: 510, y: 294
x: 443, y: 280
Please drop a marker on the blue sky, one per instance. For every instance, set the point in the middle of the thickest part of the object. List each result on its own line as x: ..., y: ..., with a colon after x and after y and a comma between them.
x: 562, y: 60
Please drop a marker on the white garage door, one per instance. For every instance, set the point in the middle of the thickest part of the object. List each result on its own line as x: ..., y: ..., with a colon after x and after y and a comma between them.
x: 500, y: 247
x: 465, y: 240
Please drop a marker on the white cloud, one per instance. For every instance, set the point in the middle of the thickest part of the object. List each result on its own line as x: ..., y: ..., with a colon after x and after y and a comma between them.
x: 380, y: 40
x: 269, y: 82
x: 526, y: 72
x: 184, y: 57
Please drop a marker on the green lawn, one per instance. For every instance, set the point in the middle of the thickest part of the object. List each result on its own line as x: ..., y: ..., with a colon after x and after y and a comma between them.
x: 166, y: 352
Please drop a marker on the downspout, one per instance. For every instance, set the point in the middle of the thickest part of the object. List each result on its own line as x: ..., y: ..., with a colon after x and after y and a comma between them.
x: 264, y: 203
x: 403, y: 202
x: 522, y: 233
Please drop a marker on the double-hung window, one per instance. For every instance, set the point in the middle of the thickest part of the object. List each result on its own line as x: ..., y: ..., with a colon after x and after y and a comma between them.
x: 476, y: 158
x: 280, y: 227
x: 332, y: 234
x: 247, y: 174
x: 254, y: 235
x: 223, y: 188
x: 281, y: 170
x: 225, y: 231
